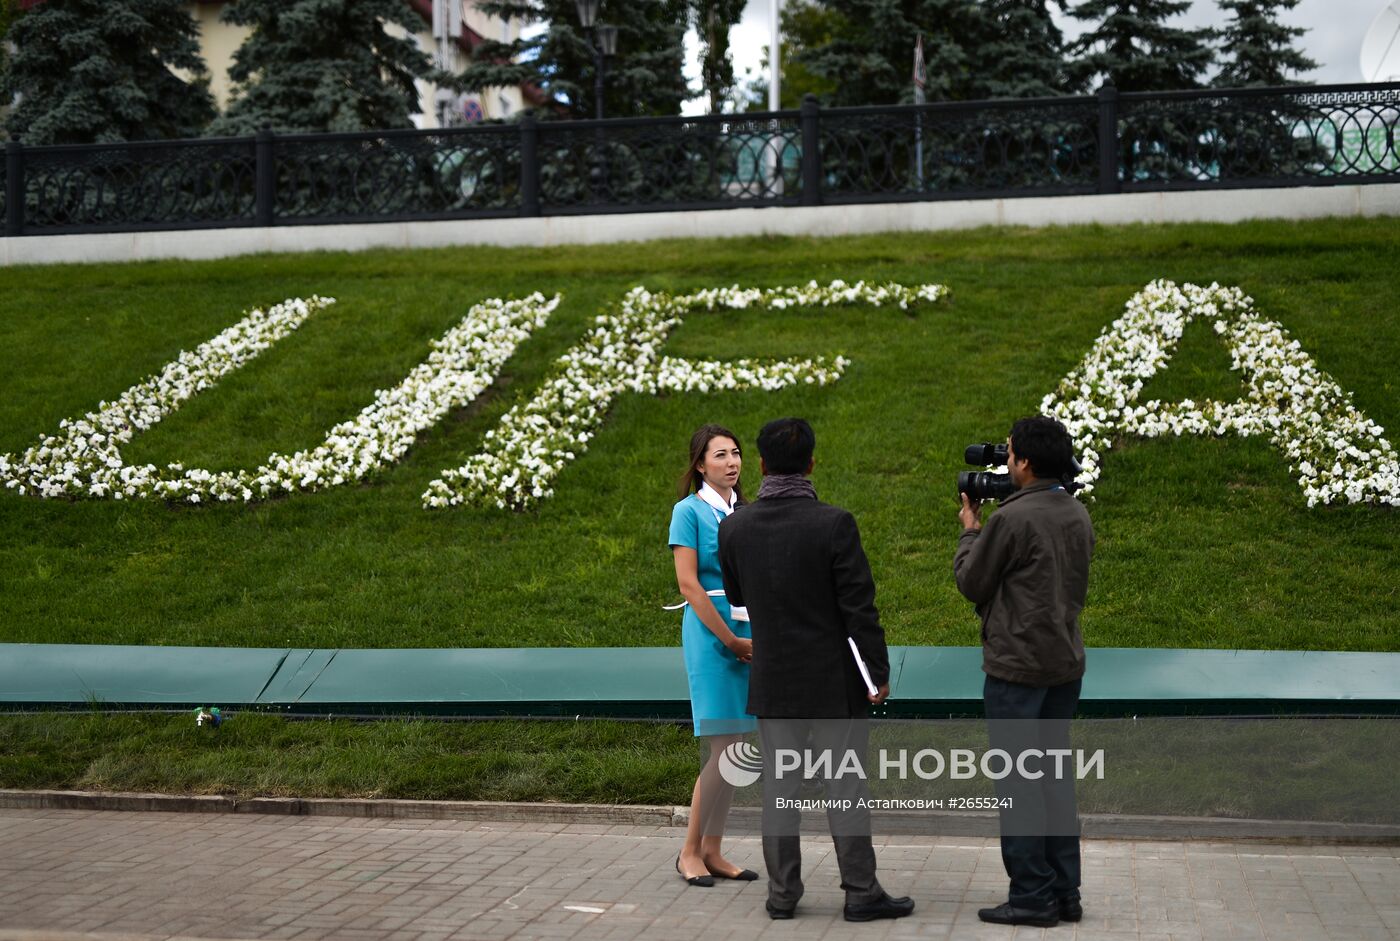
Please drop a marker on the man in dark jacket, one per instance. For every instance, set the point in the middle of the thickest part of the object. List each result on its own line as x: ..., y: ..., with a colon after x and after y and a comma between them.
x: 798, y: 566
x: 1027, y: 570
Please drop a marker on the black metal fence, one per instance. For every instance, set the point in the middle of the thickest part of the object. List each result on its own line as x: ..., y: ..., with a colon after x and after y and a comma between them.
x: 1105, y: 143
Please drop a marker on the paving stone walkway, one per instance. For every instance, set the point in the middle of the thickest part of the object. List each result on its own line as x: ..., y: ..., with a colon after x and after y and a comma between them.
x: 116, y: 876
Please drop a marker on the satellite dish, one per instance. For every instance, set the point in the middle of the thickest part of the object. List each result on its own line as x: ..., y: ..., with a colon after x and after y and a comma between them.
x: 1380, y: 50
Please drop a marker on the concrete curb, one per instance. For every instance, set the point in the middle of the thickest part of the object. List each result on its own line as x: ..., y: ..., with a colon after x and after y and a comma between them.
x: 502, y: 811
x: 44, y: 934
x: 743, y: 819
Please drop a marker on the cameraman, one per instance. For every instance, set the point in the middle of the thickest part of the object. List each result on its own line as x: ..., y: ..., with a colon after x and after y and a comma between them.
x: 1027, y: 570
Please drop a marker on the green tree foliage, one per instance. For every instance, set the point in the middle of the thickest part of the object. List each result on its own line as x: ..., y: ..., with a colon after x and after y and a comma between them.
x: 1256, y: 48
x: 871, y: 61
x: 323, y: 65
x: 861, y: 52
x: 1022, y: 54
x: 1133, y: 47
x: 713, y: 20
x: 105, y: 70
x: 643, y: 79
x: 9, y: 9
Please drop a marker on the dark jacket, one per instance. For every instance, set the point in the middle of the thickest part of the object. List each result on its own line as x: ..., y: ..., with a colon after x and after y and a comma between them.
x: 1028, y: 572
x: 798, y: 566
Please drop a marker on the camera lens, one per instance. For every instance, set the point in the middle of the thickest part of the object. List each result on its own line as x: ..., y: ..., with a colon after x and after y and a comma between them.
x: 984, y: 485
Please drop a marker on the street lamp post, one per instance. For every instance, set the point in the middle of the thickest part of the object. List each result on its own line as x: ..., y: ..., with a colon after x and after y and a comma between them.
x: 605, y: 48
x: 602, y: 43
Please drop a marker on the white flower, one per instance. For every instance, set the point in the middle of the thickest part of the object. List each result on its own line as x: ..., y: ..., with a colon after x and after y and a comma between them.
x: 531, y: 447
x: 84, y: 458
x: 623, y: 354
x: 462, y: 363
x: 1305, y: 413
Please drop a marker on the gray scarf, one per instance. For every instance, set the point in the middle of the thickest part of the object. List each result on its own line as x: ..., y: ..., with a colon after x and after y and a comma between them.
x: 778, y: 486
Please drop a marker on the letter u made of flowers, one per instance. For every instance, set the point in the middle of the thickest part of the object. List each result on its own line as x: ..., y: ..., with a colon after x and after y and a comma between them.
x: 84, y: 458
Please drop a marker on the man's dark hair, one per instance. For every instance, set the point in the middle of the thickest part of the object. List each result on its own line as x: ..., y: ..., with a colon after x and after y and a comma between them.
x: 1045, y: 443
x: 786, y: 446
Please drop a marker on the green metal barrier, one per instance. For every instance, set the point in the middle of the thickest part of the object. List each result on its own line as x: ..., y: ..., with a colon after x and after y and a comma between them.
x: 649, y: 682
x: 75, y: 676
x: 1122, y: 681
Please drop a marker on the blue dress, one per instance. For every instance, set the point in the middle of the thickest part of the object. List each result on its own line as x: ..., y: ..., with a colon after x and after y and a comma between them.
x: 719, y: 683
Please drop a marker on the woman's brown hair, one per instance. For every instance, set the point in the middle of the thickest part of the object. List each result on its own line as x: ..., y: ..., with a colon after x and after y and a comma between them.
x: 691, y: 480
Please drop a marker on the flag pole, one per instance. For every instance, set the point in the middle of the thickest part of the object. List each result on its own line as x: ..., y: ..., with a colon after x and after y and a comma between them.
x: 775, y: 59
x: 777, y: 143
x: 920, y: 78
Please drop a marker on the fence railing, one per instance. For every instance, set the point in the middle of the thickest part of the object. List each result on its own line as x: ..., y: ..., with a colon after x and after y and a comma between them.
x: 1103, y: 143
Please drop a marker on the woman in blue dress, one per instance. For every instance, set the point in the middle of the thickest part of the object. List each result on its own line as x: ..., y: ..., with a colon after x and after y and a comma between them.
x: 716, y: 642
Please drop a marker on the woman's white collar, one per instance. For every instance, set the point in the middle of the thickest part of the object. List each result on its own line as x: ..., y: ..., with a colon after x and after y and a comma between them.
x: 711, y: 496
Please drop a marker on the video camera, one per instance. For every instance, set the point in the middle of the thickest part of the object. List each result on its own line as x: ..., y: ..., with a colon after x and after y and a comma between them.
x: 985, y: 485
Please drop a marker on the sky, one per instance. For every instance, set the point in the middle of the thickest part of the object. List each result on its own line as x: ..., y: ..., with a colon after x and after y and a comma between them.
x: 1335, y: 29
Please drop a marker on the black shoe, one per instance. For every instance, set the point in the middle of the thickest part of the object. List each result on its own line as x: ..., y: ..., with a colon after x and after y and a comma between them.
x: 776, y: 913
x: 704, y: 882
x: 1071, y: 909
x: 883, y: 907
x: 1008, y: 914
x: 743, y: 875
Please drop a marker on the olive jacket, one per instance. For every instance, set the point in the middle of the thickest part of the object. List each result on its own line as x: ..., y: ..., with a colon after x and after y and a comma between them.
x: 1027, y: 571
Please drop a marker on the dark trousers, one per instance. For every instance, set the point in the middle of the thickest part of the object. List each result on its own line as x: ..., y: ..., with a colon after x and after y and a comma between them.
x: 1040, y: 832
x: 850, y: 829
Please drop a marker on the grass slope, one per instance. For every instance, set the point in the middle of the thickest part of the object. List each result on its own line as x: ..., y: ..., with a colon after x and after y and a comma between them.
x: 1202, y: 543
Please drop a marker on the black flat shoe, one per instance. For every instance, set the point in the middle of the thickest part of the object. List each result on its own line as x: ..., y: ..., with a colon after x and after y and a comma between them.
x: 1071, y: 910
x: 743, y: 875
x: 704, y: 882
x: 884, y: 907
x: 1008, y: 914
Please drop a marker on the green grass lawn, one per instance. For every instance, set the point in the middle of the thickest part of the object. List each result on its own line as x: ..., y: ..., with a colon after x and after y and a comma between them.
x: 1202, y: 543
x: 1293, y: 769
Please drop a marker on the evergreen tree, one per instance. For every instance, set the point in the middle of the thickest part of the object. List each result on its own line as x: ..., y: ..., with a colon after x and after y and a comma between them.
x: 986, y: 49
x: 9, y: 9
x: 105, y: 70
x: 870, y: 62
x: 1257, y: 49
x: 323, y: 65
x: 1023, y: 55
x: 713, y: 20
x: 643, y: 79
x: 1135, y: 49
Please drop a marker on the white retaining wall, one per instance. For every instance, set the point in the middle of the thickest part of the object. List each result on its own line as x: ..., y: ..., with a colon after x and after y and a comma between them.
x: 1196, y: 206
